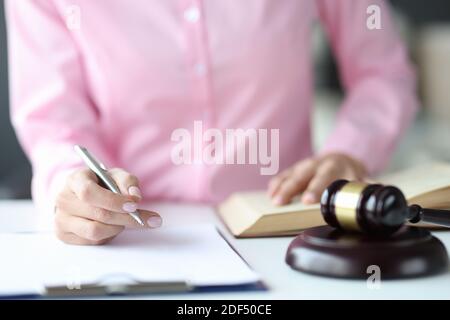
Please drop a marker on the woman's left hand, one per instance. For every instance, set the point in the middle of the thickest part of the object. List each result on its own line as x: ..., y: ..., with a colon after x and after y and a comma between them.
x: 312, y: 176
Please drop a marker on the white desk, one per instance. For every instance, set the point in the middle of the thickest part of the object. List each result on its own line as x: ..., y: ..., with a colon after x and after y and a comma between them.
x: 266, y: 256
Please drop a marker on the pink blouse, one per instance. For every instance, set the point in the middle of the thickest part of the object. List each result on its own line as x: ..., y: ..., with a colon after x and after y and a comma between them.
x: 120, y: 77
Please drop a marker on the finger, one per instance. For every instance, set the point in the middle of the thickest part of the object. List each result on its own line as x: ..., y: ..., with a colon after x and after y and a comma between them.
x: 80, y: 209
x: 127, y: 183
x: 86, y: 229
x: 73, y: 239
x: 315, y: 188
x: 87, y: 190
x: 275, y: 182
x: 326, y: 174
x: 295, y: 183
x: 151, y: 218
x: 291, y: 187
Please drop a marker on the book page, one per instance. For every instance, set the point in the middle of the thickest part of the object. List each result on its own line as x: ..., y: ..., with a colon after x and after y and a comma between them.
x: 260, y: 201
x: 413, y: 182
x: 420, y: 180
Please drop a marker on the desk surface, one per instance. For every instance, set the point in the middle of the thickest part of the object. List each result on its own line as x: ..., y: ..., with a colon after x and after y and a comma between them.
x: 265, y: 256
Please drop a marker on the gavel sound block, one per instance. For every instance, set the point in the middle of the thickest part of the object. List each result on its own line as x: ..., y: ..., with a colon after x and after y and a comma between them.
x: 366, y: 228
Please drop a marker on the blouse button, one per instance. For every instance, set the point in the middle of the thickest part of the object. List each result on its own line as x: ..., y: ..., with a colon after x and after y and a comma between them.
x: 200, y: 69
x: 192, y: 14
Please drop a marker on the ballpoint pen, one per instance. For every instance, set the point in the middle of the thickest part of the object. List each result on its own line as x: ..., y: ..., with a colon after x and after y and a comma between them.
x: 100, y: 170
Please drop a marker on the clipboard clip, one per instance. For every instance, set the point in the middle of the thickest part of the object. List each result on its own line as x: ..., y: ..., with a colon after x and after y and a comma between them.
x: 110, y: 288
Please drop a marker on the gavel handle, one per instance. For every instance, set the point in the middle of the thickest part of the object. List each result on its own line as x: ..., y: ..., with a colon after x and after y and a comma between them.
x: 432, y: 216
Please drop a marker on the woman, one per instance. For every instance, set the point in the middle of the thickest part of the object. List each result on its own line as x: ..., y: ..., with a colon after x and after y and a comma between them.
x: 120, y: 78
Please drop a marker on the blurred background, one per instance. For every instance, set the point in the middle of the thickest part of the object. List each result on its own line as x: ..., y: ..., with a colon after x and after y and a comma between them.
x: 15, y: 171
x: 425, y: 26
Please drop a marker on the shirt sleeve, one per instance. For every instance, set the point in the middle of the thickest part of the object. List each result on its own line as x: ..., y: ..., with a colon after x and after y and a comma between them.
x: 51, y: 108
x: 377, y: 77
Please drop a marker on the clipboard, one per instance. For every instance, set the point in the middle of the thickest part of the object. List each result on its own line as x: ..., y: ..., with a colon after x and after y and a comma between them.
x: 132, y: 286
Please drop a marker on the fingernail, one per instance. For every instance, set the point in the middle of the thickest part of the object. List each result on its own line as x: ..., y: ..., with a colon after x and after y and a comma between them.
x: 278, y: 200
x: 135, y: 191
x: 309, y: 198
x: 154, y: 221
x: 129, y: 207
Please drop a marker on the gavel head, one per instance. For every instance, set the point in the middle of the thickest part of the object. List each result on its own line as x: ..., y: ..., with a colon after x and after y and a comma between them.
x: 369, y: 208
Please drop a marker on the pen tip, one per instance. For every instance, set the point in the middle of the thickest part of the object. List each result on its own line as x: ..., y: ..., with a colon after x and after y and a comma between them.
x: 139, y: 220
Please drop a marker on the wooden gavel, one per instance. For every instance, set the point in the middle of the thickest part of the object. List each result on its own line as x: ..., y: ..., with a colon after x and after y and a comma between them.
x: 373, y: 208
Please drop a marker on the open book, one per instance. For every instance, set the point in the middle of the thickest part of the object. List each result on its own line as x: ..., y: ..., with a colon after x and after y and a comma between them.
x: 252, y: 214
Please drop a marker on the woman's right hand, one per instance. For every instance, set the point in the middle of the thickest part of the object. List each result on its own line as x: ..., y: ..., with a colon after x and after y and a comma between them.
x: 88, y: 214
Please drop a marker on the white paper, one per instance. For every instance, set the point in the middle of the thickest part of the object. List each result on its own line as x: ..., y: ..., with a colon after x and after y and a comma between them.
x: 20, y: 216
x: 196, y: 254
